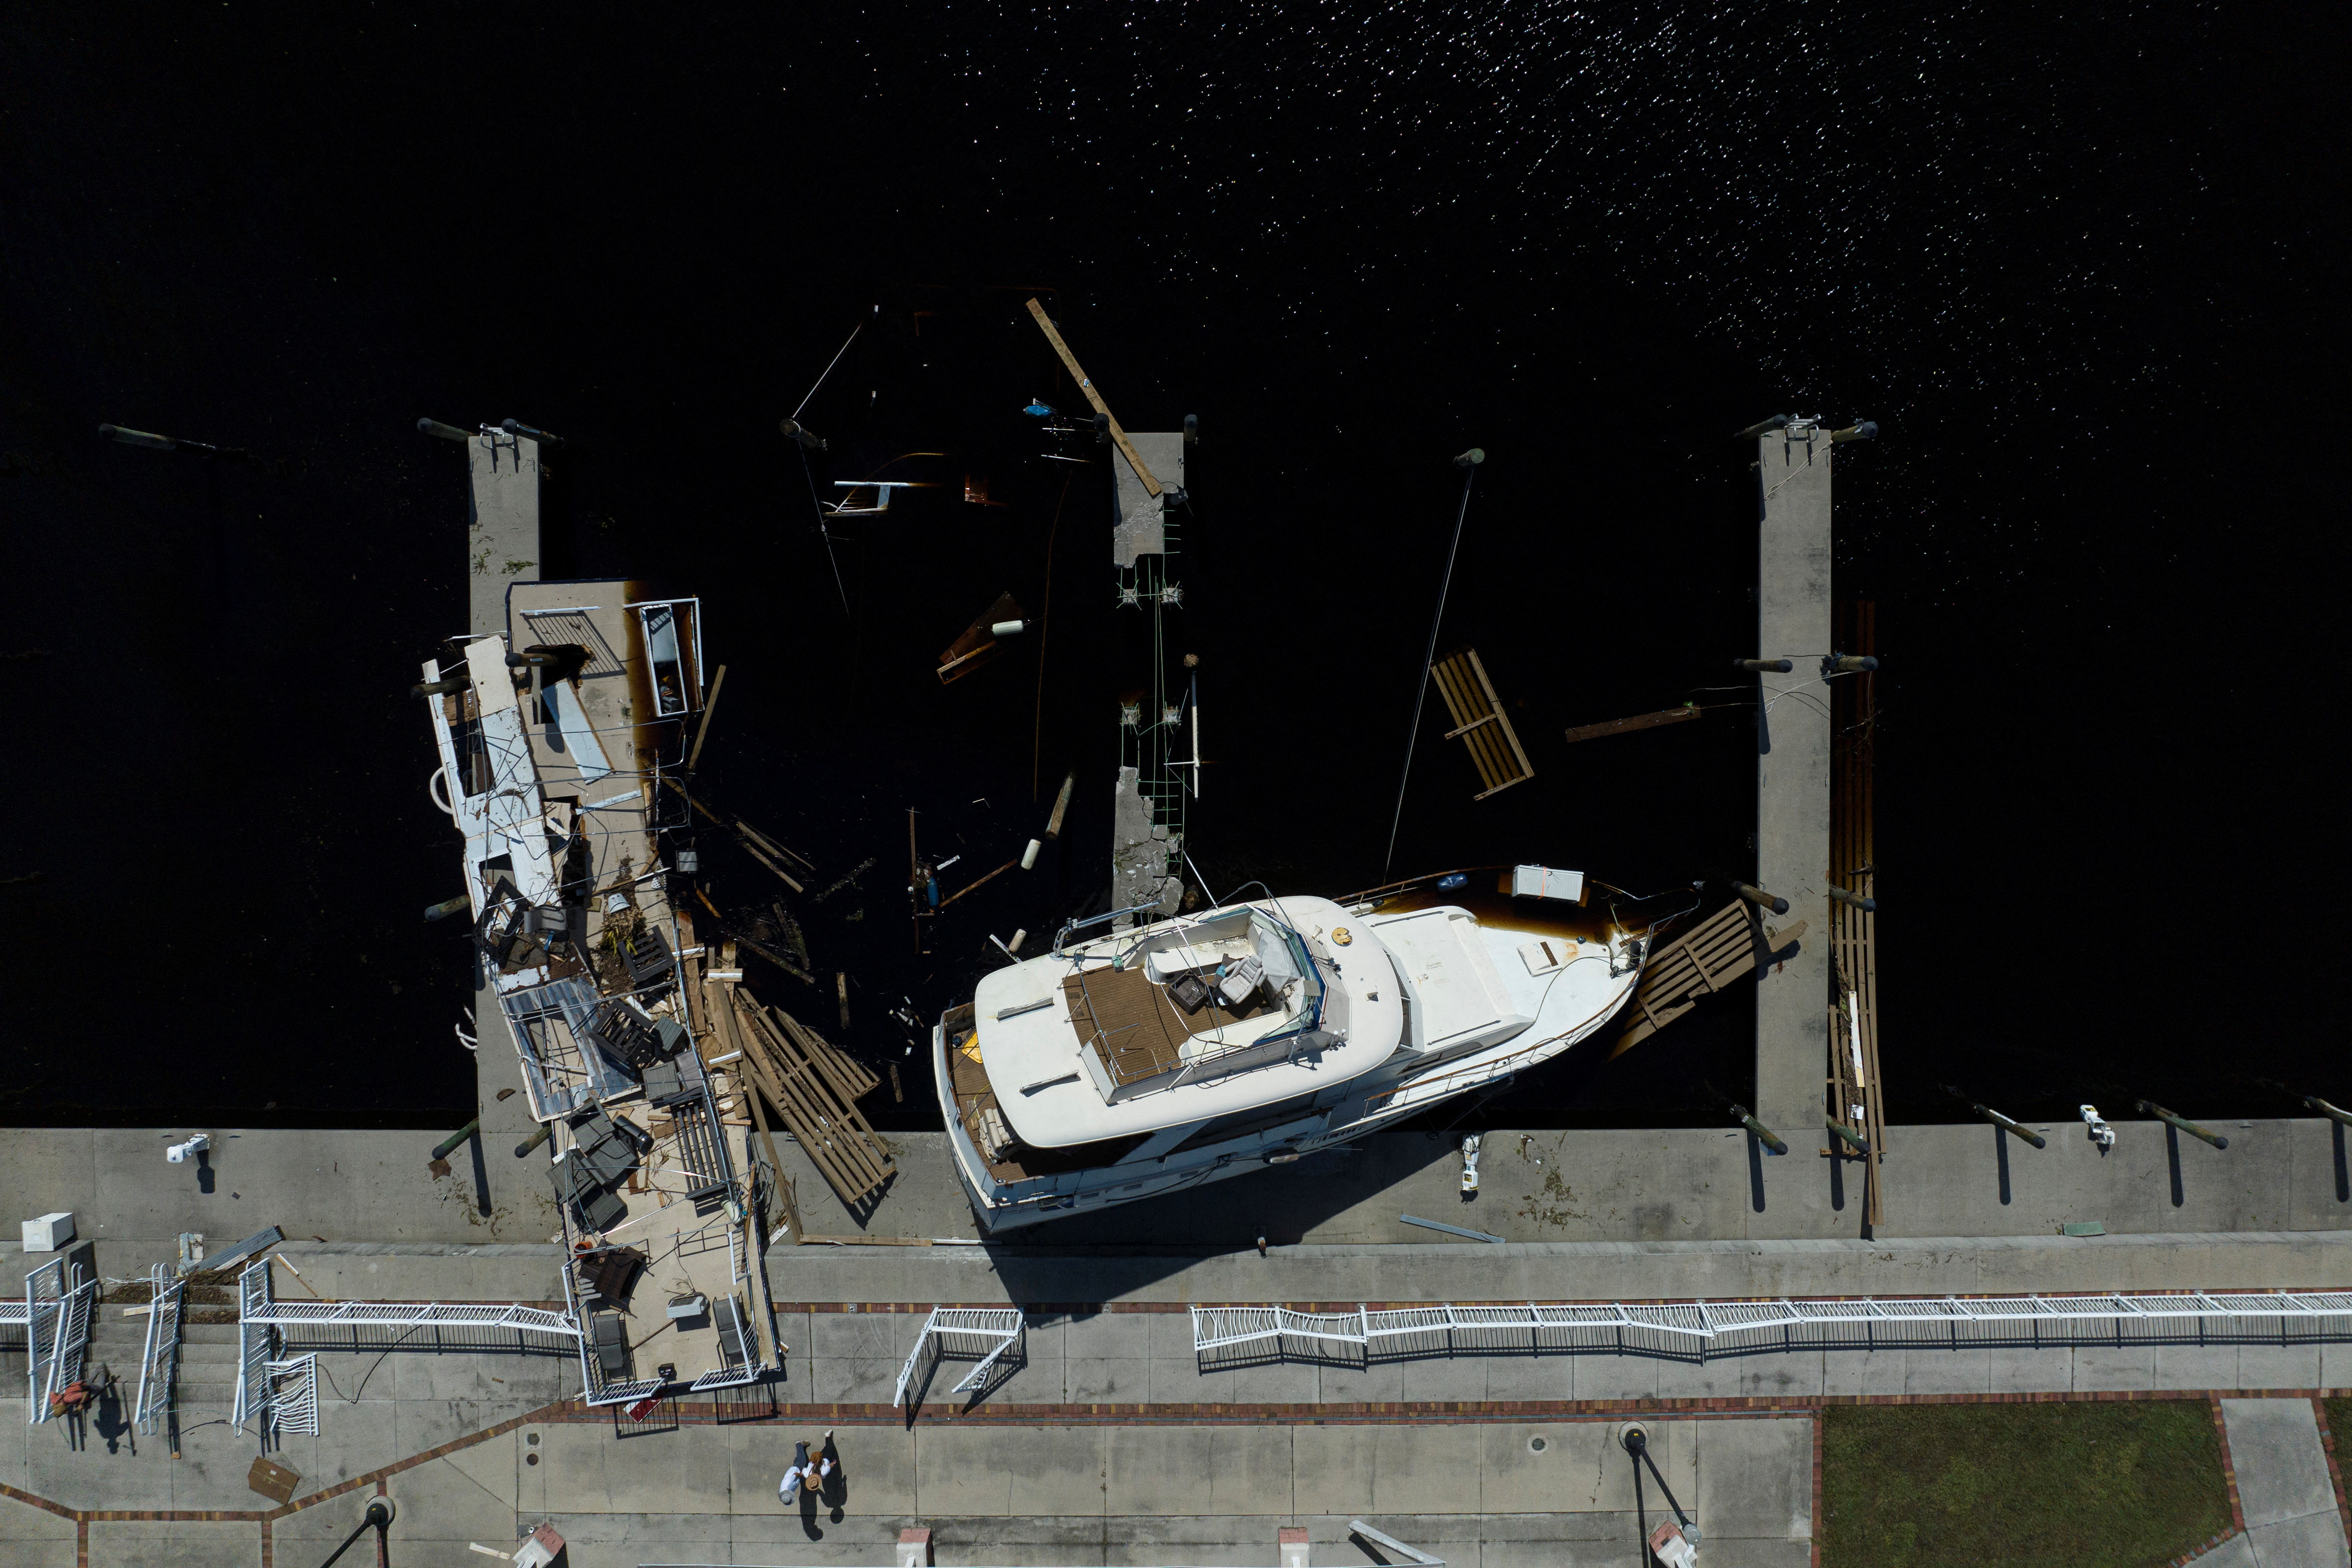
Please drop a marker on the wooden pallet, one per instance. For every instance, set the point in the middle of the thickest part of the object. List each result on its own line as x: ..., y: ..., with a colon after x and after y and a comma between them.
x: 1480, y: 722
x: 810, y: 1094
x: 1721, y: 948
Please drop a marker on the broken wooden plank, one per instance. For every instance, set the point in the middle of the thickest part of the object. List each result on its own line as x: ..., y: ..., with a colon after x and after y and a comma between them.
x: 1054, y: 336
x: 839, y: 1142
x: 960, y: 892
x: 1639, y: 721
x: 853, y: 1077
x: 978, y: 643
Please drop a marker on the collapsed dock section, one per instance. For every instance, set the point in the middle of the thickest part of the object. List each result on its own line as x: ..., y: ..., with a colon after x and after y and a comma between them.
x: 555, y: 736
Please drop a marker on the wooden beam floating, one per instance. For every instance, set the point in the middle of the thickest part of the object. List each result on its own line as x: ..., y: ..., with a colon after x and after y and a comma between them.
x: 1639, y: 721
x: 1054, y: 336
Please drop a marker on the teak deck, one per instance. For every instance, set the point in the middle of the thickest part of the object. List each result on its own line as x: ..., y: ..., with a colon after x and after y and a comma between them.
x: 1136, y: 1030
x: 1480, y: 723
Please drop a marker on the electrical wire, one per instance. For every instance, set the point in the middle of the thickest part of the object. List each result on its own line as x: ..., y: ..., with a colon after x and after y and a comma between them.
x: 1421, y: 691
x: 829, y: 363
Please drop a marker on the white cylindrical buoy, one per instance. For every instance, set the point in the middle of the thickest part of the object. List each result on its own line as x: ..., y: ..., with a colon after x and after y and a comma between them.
x: 1007, y: 629
x: 1029, y: 856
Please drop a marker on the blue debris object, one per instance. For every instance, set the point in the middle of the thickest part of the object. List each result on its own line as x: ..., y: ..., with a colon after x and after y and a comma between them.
x: 1040, y: 410
x: 1456, y: 880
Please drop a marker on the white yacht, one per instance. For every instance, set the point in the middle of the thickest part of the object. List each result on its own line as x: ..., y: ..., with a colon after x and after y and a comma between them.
x: 1148, y: 1061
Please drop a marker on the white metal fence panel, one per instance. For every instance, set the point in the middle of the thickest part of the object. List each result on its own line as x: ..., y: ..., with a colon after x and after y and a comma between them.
x: 256, y: 1342
x: 1705, y: 1328
x: 159, y: 1363
x: 294, y: 1395
x: 984, y: 1333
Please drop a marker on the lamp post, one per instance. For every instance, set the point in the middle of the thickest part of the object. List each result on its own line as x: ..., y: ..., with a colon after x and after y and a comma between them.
x: 1676, y: 1545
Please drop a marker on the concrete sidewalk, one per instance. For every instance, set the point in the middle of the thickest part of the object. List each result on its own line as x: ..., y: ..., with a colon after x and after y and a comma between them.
x: 2282, y: 1485
x: 1570, y: 1271
x: 1680, y: 1185
x: 1676, y: 1185
x: 1498, y: 1493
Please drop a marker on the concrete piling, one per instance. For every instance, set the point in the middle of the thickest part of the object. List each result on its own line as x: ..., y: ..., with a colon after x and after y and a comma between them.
x: 2149, y: 1108
x: 517, y: 428
x: 441, y: 1150
x: 1997, y: 1118
x: 1763, y: 1134
x: 1839, y: 1130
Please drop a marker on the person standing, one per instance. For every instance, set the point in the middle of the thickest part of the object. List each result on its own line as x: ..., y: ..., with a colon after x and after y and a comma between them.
x: 788, y: 1490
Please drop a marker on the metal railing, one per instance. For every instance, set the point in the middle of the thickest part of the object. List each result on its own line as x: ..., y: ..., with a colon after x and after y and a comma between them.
x: 256, y: 1343
x: 264, y: 1324
x: 986, y: 1332
x: 57, y: 1333
x: 294, y: 1405
x: 159, y: 1363
x: 1705, y: 1328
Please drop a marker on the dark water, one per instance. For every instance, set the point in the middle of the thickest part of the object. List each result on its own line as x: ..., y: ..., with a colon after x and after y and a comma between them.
x: 2072, y: 264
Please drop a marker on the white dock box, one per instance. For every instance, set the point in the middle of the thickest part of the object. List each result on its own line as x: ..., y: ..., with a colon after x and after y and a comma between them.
x: 1543, y: 882
x: 50, y: 1232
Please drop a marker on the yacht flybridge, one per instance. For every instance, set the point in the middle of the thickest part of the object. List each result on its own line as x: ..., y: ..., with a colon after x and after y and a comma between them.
x: 1148, y: 1061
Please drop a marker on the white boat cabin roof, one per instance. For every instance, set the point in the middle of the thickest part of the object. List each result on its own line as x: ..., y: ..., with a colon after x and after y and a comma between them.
x: 1090, y: 1044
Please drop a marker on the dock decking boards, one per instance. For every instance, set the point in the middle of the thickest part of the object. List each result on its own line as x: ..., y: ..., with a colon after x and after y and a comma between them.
x: 1480, y: 722
x: 810, y: 1085
x: 1701, y: 961
x: 1853, y: 956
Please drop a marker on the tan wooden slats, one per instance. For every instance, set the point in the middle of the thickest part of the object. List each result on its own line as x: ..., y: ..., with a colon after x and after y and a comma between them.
x: 1854, y: 956
x: 853, y: 1077
x: 1720, y: 948
x: 837, y: 1138
x: 1480, y: 722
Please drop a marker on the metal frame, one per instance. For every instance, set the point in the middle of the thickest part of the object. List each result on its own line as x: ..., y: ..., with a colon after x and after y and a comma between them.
x: 65, y: 1313
x: 256, y: 1342
x: 295, y: 1408
x: 1718, y: 1328
x: 159, y: 1363
x: 984, y: 1331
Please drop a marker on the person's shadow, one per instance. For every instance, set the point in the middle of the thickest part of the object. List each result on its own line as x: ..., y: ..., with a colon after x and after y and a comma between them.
x: 110, y: 1418
x: 832, y: 1496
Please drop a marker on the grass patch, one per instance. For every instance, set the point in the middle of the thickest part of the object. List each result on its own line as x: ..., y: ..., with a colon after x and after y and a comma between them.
x: 2089, y: 1485
x: 2339, y: 1432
